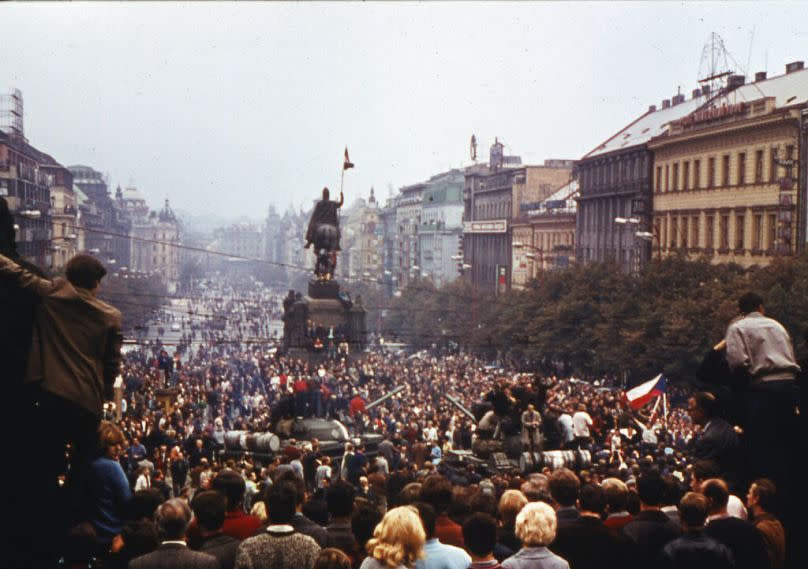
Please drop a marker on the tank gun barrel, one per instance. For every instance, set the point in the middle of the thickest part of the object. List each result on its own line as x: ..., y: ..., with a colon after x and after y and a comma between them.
x: 460, y: 406
x: 385, y: 397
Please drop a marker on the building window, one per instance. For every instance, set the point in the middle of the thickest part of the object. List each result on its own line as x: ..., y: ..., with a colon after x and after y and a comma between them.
x: 757, y: 231
x: 759, y: 167
x: 790, y: 156
x: 659, y: 179
x: 772, y: 231
x: 711, y: 173
x: 723, y: 229
x: 663, y: 235
x: 696, y: 174
x: 739, y: 222
x: 675, y: 183
x: 741, y: 168
x: 667, y: 178
x: 694, y: 232
x: 773, y: 165
x: 725, y: 168
x: 686, y: 176
x: 684, y: 231
x: 710, y: 236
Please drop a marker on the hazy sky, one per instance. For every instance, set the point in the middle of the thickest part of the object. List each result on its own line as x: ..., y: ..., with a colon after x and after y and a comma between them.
x: 225, y: 108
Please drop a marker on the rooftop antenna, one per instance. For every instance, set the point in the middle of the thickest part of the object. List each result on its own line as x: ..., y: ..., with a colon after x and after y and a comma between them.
x: 714, y: 67
x: 749, y: 55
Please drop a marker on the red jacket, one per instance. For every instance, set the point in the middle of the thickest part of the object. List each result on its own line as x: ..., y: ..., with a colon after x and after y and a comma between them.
x: 239, y: 525
x: 357, y: 406
x: 448, y: 532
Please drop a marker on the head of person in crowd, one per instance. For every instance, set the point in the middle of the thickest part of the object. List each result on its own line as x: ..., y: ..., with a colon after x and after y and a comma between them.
x: 436, y: 490
x: 143, y: 504
x: 616, y: 495
x: 111, y: 440
x: 80, y: 545
x: 339, y: 497
x: 316, y: 511
x: 232, y: 486
x: 332, y: 558
x: 564, y: 488
x: 762, y: 497
x: 537, y: 488
x: 300, y: 485
x: 702, y: 470
x: 702, y: 407
x: 409, y: 494
x: 510, y: 504
x: 280, y: 500
x: 672, y: 493
x: 398, y: 539
x: 480, y: 536
x: 693, y: 509
x: 363, y: 522
x: 484, y: 502
x: 172, y: 519
x: 536, y: 525
x: 428, y: 516
x: 85, y: 272
x: 751, y: 302
x: 717, y: 494
x: 650, y: 488
x: 592, y: 500
x: 136, y: 538
x: 209, y: 509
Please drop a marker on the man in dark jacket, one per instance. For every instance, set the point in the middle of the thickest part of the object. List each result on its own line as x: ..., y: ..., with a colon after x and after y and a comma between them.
x: 209, y: 508
x: 651, y: 529
x: 694, y: 550
x: 718, y: 440
x: 740, y: 536
x: 586, y: 542
x: 172, y: 520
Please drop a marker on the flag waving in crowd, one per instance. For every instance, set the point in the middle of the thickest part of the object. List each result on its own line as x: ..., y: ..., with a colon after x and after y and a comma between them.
x: 638, y: 396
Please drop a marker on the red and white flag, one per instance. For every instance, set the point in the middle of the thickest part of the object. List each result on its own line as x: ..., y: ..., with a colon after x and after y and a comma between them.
x: 347, y: 164
x: 638, y: 396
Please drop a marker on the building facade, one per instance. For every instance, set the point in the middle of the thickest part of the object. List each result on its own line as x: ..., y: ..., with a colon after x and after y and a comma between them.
x: 406, y: 252
x: 440, y: 238
x: 544, y: 235
x: 64, y: 214
x: 105, y: 223
x: 492, y: 203
x: 615, y: 181
x: 727, y: 176
x: 25, y: 186
x: 156, y: 240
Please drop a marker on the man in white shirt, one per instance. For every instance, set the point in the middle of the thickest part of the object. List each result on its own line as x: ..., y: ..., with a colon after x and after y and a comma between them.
x: 581, y: 422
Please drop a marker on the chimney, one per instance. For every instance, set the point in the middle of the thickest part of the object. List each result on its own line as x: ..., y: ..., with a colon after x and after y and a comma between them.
x: 760, y: 76
x: 735, y: 81
x: 794, y: 66
x: 706, y: 89
x: 678, y: 99
x: 666, y: 103
x: 652, y: 108
x: 696, y: 93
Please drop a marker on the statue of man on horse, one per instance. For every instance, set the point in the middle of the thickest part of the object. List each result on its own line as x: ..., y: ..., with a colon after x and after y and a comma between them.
x: 323, y: 232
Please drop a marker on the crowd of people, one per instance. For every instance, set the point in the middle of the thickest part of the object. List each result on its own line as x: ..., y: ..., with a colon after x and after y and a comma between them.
x: 668, y: 488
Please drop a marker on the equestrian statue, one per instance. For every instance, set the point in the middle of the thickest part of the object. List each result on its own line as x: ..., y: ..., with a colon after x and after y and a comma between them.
x: 323, y: 232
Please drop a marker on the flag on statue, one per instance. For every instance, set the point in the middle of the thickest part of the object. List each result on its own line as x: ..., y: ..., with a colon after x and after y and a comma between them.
x: 347, y: 164
x: 645, y: 392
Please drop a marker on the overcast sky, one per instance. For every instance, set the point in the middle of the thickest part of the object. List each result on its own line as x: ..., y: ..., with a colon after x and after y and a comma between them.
x: 226, y: 108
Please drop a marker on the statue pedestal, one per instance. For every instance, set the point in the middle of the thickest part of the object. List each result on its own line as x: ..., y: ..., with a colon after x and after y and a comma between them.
x: 322, y: 313
x: 324, y: 290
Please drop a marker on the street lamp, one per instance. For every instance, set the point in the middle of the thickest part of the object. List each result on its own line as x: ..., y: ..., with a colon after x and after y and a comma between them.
x: 635, y: 222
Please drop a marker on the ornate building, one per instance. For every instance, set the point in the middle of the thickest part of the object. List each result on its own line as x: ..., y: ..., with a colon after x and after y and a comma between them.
x: 726, y: 176
x: 615, y: 182
x: 544, y: 235
x: 156, y: 237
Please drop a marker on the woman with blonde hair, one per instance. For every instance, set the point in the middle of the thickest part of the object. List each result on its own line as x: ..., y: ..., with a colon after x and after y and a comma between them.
x: 397, y: 542
x: 536, y: 529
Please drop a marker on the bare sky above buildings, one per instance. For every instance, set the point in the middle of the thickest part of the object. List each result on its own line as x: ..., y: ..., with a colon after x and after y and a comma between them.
x: 226, y: 108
